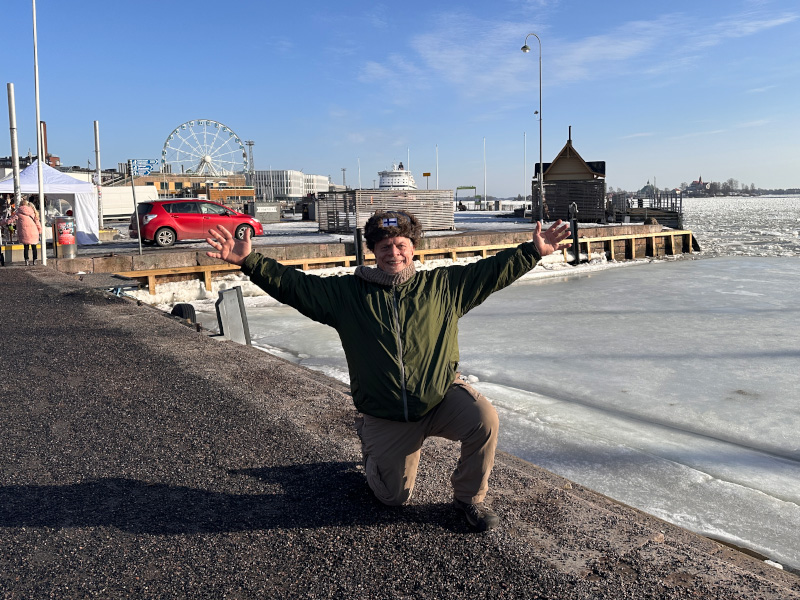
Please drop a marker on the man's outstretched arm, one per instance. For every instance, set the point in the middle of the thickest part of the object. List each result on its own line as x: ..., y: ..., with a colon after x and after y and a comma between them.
x: 227, y: 247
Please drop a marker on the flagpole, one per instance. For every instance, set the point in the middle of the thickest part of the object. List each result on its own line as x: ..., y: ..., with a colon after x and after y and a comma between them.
x: 12, y: 120
x: 39, y: 141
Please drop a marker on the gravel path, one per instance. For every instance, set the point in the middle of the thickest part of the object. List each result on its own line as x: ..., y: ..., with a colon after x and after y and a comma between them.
x: 140, y: 458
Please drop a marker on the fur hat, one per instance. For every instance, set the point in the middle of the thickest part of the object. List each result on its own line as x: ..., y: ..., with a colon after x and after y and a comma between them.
x: 392, y: 223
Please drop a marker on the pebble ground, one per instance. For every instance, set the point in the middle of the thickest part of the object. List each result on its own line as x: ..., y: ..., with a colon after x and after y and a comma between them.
x: 140, y: 458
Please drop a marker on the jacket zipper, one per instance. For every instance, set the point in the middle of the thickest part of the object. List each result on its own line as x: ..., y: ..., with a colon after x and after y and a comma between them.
x: 400, y: 352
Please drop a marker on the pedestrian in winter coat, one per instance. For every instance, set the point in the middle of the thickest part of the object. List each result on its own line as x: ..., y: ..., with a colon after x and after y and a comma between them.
x: 28, y: 227
x: 399, y: 331
x: 5, y: 219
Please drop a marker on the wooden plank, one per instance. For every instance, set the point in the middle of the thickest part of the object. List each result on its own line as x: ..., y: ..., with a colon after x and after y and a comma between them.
x: 179, y: 270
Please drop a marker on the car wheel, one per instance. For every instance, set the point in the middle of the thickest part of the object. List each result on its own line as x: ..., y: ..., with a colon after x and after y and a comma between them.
x: 240, y: 232
x: 164, y: 237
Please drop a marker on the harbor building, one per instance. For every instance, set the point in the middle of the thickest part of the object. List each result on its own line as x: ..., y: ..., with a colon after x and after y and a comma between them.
x: 288, y: 185
x: 571, y: 180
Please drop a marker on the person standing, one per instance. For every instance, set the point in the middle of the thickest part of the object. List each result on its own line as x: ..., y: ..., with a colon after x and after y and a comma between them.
x: 399, y: 330
x: 28, y: 227
x: 5, y: 212
x: 8, y: 212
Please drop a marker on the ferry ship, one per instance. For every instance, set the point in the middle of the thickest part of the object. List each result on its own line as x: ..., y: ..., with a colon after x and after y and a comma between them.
x: 396, y: 179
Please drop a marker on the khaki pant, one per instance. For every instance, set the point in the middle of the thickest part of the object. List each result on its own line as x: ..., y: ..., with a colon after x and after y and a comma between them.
x: 392, y: 448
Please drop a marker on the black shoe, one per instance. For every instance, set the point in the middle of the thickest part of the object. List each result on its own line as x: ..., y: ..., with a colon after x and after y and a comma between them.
x: 479, y: 516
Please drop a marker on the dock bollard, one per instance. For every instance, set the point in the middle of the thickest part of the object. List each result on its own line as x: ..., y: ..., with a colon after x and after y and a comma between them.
x: 573, y: 224
x: 359, y: 243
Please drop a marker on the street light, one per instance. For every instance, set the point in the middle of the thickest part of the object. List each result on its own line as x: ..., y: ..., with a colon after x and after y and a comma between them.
x: 525, y: 48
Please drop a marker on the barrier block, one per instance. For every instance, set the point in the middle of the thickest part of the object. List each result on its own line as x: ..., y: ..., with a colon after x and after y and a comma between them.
x: 112, y: 264
x: 75, y: 265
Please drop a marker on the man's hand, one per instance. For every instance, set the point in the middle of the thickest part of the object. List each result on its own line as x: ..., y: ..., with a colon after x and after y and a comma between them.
x: 227, y: 247
x: 550, y: 241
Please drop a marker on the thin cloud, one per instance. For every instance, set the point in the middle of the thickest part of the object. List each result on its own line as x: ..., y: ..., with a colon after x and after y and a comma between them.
x: 737, y: 26
x: 281, y: 45
x: 695, y: 134
x: 761, y: 90
x: 755, y: 123
x: 337, y: 112
x: 355, y: 138
x: 480, y: 59
x: 637, y: 135
x: 398, y: 79
x: 378, y: 16
x: 595, y: 55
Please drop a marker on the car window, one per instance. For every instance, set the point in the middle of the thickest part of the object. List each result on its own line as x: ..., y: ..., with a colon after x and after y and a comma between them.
x: 144, y: 208
x: 182, y: 207
x: 212, y: 209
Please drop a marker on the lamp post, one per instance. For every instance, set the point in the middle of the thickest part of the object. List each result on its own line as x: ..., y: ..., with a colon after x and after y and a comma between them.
x: 525, y: 48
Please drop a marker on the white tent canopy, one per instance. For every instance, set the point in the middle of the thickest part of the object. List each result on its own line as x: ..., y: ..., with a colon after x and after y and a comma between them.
x: 58, y: 184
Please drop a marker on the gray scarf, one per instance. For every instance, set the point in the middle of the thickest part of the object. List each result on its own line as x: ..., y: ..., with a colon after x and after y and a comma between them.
x: 375, y: 275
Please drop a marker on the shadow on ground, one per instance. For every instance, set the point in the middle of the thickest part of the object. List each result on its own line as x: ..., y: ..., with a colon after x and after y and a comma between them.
x: 305, y: 496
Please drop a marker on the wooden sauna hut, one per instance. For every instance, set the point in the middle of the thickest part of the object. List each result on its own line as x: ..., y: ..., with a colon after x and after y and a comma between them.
x: 570, y: 179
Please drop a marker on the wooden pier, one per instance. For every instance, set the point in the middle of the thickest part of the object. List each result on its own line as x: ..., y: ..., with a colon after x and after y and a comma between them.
x: 628, y: 243
x: 632, y: 246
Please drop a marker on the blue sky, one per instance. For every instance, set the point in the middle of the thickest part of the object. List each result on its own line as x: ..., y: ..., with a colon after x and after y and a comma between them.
x: 670, y: 91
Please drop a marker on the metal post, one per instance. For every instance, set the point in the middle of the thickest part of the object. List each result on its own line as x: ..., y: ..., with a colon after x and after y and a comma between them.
x: 250, y: 168
x: 98, y: 174
x: 12, y: 122
x: 356, y: 233
x: 573, y: 223
x: 359, y: 246
x: 525, y: 48
x: 541, y: 164
x: 135, y: 207
x: 524, y: 171
x: 39, y: 141
x: 437, y: 166
x: 485, y: 198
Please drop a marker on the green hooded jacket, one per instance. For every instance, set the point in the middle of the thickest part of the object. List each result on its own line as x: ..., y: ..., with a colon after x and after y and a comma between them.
x: 401, y: 341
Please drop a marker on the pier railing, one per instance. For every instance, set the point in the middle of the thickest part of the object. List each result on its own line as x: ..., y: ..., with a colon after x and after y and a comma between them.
x: 628, y: 246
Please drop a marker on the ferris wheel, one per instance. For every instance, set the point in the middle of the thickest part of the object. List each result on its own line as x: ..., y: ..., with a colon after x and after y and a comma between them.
x: 204, y: 147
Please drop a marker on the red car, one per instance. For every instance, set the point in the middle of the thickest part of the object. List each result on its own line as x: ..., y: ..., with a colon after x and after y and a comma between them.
x: 167, y: 221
